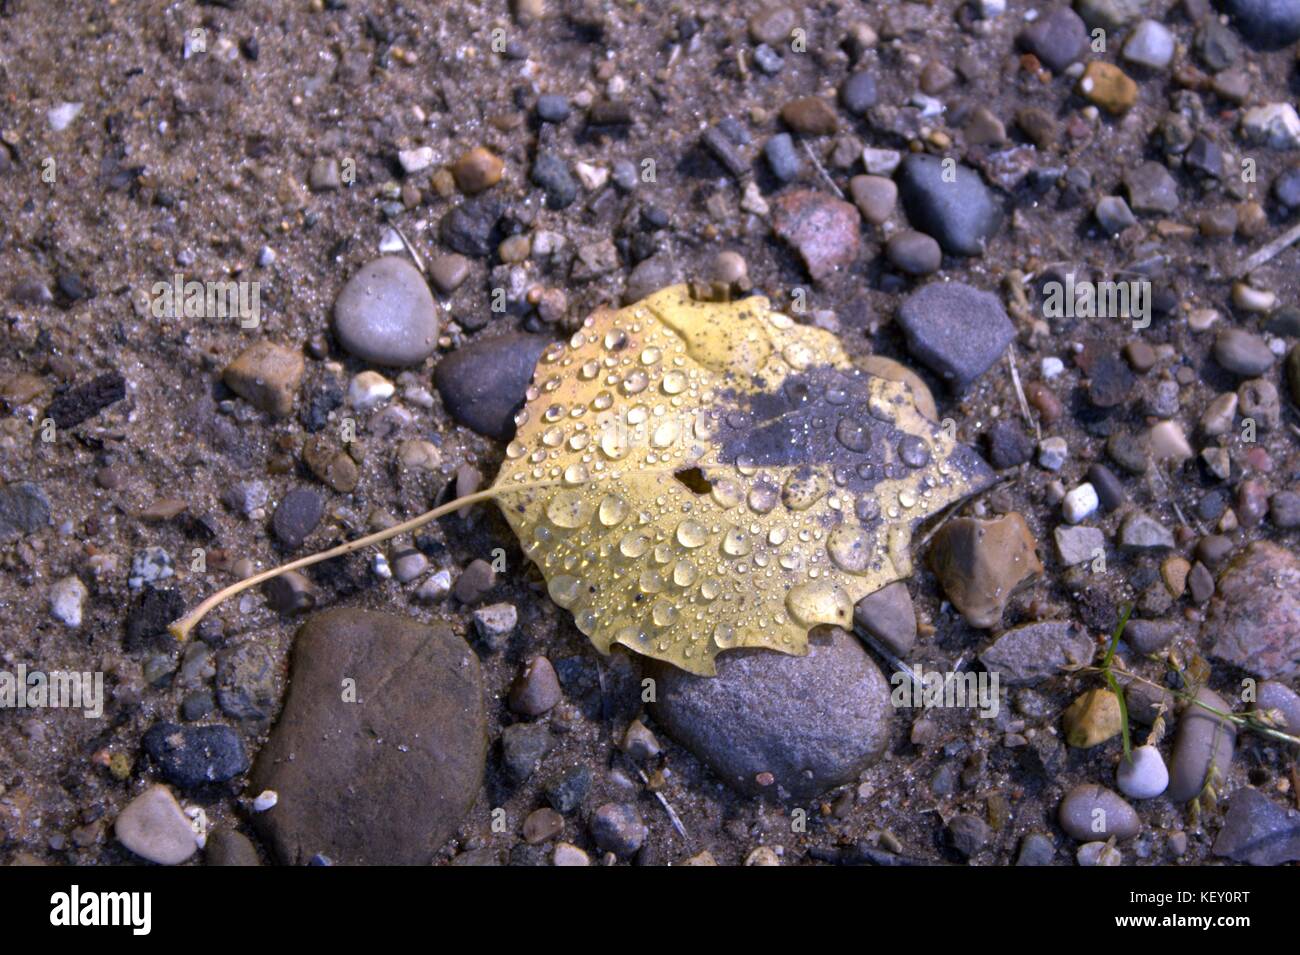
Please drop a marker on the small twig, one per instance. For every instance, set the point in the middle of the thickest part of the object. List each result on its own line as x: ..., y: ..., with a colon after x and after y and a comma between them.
x: 419, y: 262
x: 663, y: 801
x: 1020, y: 393
x: 818, y: 166
x: 1267, y: 252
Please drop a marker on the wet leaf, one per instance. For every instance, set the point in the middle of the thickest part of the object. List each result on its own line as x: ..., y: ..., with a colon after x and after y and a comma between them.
x: 719, y: 477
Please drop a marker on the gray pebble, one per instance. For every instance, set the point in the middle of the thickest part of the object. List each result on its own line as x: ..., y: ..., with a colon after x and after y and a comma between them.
x: 1090, y: 812
x: 1204, y: 742
x: 385, y: 314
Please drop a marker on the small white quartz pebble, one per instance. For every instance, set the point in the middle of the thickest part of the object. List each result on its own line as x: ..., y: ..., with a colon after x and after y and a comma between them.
x: 1080, y: 504
x: 1145, y: 777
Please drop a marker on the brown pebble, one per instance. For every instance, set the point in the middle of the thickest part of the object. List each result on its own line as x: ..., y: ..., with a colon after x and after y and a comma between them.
x: 1107, y: 86
x: 477, y: 170
x: 811, y: 116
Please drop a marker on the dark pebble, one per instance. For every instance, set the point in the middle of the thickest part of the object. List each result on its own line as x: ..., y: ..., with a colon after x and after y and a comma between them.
x: 195, y: 756
x: 566, y: 791
x: 1268, y: 24
x: 24, y: 509
x: 858, y: 93
x: 80, y: 402
x: 468, y: 228
x: 962, y: 214
x: 148, y: 618
x: 552, y: 108
x: 1008, y: 445
x: 1109, y: 488
x: 956, y: 331
x: 523, y: 747
x: 296, y: 516
x: 482, y: 384
x: 1058, y: 38
x: 913, y: 252
x: 475, y: 582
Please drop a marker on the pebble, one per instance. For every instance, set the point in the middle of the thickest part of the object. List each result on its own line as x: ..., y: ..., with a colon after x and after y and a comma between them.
x: 523, y: 747
x: 67, y: 597
x: 1114, y: 214
x: 477, y: 170
x: 1091, y: 719
x: 956, y: 331
x: 1150, y: 45
x: 1106, y: 85
x: 1038, y: 651
x: 227, y: 847
x: 1008, y: 445
x: 1080, y: 503
x: 763, y: 856
x: 368, y: 390
x: 875, y: 197
x: 782, y: 157
x: 1053, y: 452
x: 1204, y: 742
x: 1110, y: 490
x: 980, y: 563
x: 154, y: 827
x: 1259, y: 400
x: 968, y: 834
x: 148, y: 566
x: 330, y: 465
x: 247, y: 681
x: 551, y: 174
x: 567, y: 790
x: 552, y: 108
x: 536, y: 689
x: 409, y: 565
x: 962, y: 214
x: 1089, y: 811
x: 482, y: 383
x: 1242, y: 353
x: 751, y: 722
x: 267, y: 376
x: 1036, y: 849
x: 1150, y: 636
x: 568, y: 854
x: 1273, y: 124
x: 1078, y: 545
x: 1284, y: 509
x: 1254, y: 621
x: 913, y: 252
x: 858, y: 92
x: 1151, y: 188
x: 296, y: 516
x: 1219, y: 415
x: 542, y: 825
x: 475, y: 582
x: 1145, y: 776
x: 193, y: 757
x: 494, y: 623
x: 385, y: 314
x: 448, y: 272
x: 1058, y: 38
x: 773, y: 24
x: 639, y: 742
x: 888, y: 615
x: 1098, y: 854
x: 60, y: 117
x: 810, y: 116
x: 617, y: 827
x: 415, y: 160
x: 1293, y: 373
x: 1140, y: 531
x: 1258, y: 831
x: 1165, y: 441
x: 340, y: 794
x: 1267, y: 23
x: 821, y: 228
x: 1280, y: 698
x: 881, y: 162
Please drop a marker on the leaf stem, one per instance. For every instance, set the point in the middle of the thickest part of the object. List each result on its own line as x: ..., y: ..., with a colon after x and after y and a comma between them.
x: 181, y: 628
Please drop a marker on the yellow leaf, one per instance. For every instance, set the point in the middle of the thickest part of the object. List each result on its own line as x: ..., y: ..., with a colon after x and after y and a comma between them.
x: 692, y: 477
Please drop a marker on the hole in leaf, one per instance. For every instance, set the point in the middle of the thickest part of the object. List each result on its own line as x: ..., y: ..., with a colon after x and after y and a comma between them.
x: 694, y: 479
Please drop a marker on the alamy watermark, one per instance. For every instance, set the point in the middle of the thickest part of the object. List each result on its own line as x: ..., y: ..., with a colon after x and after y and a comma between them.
x: 1085, y: 299
x: 26, y: 689
x: 922, y: 689
x: 194, y: 299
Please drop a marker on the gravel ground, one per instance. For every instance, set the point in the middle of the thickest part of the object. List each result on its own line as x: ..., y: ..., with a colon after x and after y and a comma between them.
x: 547, y: 158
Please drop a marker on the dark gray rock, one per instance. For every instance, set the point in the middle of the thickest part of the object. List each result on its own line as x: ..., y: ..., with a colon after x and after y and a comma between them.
x: 566, y: 790
x: 1268, y: 24
x: 956, y: 331
x: 782, y: 157
x: 812, y: 722
x: 482, y: 384
x: 962, y: 214
x: 229, y: 847
x: 523, y: 747
x: 1151, y: 188
x: 1037, y: 651
x: 888, y: 615
x: 1036, y: 849
x: 1150, y: 636
x: 296, y: 516
x: 469, y: 228
x: 247, y: 686
x: 24, y: 509
x: 384, y: 779
x: 1258, y: 831
x: 1242, y: 352
x: 1058, y: 38
x: 552, y: 108
x: 385, y: 314
x: 551, y: 174
x: 913, y: 252
x: 1274, y: 696
x: 968, y: 834
x: 858, y: 92
x: 617, y: 828
x: 195, y: 756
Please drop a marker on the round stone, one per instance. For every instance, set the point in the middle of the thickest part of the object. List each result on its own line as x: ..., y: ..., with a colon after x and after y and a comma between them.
x: 385, y: 314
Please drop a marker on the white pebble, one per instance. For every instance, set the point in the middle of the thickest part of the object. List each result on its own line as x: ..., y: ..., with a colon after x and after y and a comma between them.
x: 61, y: 116
x: 368, y: 389
x: 66, y: 598
x: 391, y: 242
x: 1052, y: 453
x: 415, y: 160
x: 265, y: 800
x: 1145, y: 777
x: 435, y: 588
x: 1080, y: 504
x: 1098, y: 853
x: 1051, y: 367
x: 380, y: 567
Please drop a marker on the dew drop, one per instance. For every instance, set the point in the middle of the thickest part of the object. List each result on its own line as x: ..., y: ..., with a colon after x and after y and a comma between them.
x: 564, y: 590
x: 819, y: 602
x: 612, y: 510
x: 850, y: 549
x: 634, y: 544
x: 569, y: 509
x: 736, y: 543
x: 692, y: 534
x: 853, y: 434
